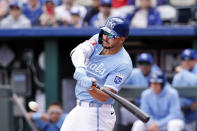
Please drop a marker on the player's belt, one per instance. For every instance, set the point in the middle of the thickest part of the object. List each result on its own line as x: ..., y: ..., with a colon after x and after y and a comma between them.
x: 91, y: 104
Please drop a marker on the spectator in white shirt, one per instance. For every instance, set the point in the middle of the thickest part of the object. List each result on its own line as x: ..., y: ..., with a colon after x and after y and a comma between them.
x: 4, y: 7
x: 75, y: 20
x: 15, y: 19
x: 105, y: 12
x: 145, y: 15
x: 63, y: 11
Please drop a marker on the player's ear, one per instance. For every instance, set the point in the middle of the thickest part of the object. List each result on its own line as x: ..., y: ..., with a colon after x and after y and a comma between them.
x: 100, y: 41
x: 122, y: 39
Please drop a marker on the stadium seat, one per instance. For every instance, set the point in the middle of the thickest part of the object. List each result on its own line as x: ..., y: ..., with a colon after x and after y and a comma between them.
x: 184, y: 9
x: 168, y: 14
x: 183, y: 3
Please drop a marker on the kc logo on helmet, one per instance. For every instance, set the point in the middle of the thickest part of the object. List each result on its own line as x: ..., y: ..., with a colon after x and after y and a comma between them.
x: 111, y: 24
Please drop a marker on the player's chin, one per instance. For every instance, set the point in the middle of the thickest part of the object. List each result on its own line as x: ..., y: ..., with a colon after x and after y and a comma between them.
x: 105, y: 44
x: 106, y: 47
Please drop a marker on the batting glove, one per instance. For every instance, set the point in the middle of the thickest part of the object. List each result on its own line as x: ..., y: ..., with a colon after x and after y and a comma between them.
x: 82, y: 78
x: 86, y: 82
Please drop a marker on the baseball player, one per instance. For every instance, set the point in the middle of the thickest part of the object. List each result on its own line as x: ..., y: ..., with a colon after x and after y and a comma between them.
x: 140, y: 76
x: 102, y: 59
x: 161, y: 102
x: 189, y: 56
x: 187, y: 77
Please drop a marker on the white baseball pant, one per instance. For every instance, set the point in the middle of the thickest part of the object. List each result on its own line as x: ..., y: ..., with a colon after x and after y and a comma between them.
x: 90, y: 118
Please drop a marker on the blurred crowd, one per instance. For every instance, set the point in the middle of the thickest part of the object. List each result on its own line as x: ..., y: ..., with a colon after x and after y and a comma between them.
x: 161, y: 101
x: 94, y: 13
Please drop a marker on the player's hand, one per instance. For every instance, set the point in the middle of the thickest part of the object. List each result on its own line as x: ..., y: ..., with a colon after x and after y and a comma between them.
x: 153, y: 127
x: 30, y: 115
x: 86, y: 82
x: 45, y: 117
x: 178, y: 69
x: 82, y: 78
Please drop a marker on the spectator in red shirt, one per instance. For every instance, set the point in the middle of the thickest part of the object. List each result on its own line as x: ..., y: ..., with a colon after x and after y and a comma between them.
x: 49, y: 17
x: 122, y: 7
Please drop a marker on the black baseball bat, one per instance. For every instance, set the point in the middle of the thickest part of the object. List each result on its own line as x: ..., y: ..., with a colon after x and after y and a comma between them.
x: 125, y: 103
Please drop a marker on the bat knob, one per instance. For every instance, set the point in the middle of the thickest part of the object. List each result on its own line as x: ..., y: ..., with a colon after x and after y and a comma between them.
x: 94, y: 84
x: 147, y: 119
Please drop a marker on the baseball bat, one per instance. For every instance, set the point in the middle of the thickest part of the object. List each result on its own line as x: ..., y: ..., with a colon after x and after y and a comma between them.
x: 125, y: 103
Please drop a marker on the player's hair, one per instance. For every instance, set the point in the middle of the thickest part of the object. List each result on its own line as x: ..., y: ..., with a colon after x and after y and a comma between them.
x: 55, y: 103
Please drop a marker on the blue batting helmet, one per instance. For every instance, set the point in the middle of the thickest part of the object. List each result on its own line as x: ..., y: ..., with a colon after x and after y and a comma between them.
x: 188, y: 54
x: 145, y: 57
x: 158, y: 77
x: 117, y: 26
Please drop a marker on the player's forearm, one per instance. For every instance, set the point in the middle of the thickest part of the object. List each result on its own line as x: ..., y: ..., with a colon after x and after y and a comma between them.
x: 30, y: 115
x: 99, y: 95
x: 44, y: 117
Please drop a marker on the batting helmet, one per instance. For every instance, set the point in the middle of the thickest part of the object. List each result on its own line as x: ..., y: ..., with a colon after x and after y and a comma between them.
x: 116, y: 26
x: 158, y: 77
x: 188, y: 54
x: 145, y: 57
